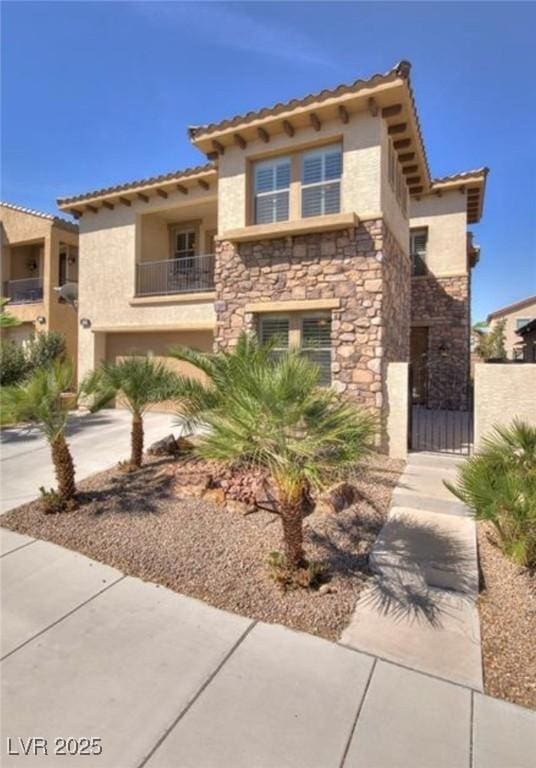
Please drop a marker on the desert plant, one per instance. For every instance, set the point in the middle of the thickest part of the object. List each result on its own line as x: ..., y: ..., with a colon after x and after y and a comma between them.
x: 268, y: 411
x: 44, y: 348
x: 6, y: 319
x: 140, y: 382
x: 490, y: 342
x: 13, y: 363
x: 499, y: 486
x: 38, y: 399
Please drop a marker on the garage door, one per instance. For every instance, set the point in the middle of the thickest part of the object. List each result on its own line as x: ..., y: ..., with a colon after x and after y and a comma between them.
x: 157, y: 345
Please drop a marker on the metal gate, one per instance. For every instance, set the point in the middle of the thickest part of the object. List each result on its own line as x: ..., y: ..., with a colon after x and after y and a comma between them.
x: 443, y: 430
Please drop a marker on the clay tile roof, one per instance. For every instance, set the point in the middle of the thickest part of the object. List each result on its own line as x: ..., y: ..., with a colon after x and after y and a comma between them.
x: 464, y: 176
x: 58, y: 220
x: 139, y: 184
x: 401, y: 69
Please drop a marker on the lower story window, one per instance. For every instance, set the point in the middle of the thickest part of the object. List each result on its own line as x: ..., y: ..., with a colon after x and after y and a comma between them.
x: 310, y: 333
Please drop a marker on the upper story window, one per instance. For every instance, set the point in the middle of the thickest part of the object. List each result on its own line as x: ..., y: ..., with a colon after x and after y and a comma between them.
x: 521, y: 321
x: 321, y: 171
x: 271, y: 190
x: 418, y: 239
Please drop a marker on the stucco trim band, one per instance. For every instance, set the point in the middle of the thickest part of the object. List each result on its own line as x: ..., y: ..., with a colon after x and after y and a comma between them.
x: 176, y: 298
x: 305, y: 305
x: 203, y: 326
x: 297, y: 227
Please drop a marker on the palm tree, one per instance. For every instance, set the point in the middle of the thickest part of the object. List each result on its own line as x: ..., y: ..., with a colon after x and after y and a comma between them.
x: 39, y: 399
x: 7, y: 320
x: 498, y: 484
x: 269, y: 412
x: 140, y: 382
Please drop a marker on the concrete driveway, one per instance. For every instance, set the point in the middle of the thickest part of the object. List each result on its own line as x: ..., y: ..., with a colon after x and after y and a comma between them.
x: 98, y: 441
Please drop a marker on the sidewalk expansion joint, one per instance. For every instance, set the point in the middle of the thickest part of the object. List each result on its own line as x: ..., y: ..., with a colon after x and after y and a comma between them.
x: 197, y: 695
x: 62, y: 618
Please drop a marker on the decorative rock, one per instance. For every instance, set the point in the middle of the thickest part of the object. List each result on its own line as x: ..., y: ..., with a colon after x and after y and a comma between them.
x: 167, y: 446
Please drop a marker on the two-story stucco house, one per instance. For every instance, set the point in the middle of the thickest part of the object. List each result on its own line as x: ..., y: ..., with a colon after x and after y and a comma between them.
x: 515, y: 317
x: 39, y: 255
x: 315, y: 221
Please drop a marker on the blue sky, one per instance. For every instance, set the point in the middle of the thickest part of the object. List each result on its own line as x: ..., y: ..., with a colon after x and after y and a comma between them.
x: 99, y: 93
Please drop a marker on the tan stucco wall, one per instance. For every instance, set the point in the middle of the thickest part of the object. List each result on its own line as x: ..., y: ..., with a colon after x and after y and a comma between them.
x: 110, y: 244
x: 27, y: 236
x: 361, y: 180
x: 511, y: 337
x: 398, y: 222
x: 397, y: 410
x: 503, y: 392
x: 446, y: 219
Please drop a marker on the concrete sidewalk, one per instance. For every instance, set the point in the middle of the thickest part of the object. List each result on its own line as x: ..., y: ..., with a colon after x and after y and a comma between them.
x: 421, y: 609
x: 98, y: 441
x: 167, y: 681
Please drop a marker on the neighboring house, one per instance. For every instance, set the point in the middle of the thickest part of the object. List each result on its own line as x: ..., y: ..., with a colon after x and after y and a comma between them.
x: 527, y: 348
x: 306, y: 225
x: 516, y: 316
x: 39, y: 254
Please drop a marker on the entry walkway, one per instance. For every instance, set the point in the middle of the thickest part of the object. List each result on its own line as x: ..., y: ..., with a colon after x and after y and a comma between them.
x: 421, y: 609
x: 165, y: 681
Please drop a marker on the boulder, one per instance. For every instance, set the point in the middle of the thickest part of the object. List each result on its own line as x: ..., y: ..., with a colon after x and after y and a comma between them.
x: 167, y: 446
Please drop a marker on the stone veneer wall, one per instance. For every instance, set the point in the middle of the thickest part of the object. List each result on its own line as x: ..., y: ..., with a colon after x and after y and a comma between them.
x: 363, y: 267
x: 443, y: 304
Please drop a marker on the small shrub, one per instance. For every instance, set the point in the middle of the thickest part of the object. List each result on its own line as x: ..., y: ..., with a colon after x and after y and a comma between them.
x: 53, y: 504
x: 311, y: 576
x: 13, y: 363
x: 44, y: 348
x: 499, y: 486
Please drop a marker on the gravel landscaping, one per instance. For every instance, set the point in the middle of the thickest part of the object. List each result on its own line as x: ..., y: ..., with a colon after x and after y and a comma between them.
x: 507, y: 624
x: 137, y: 523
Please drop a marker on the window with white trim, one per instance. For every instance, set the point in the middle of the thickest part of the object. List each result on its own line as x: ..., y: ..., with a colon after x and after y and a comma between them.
x: 521, y: 321
x: 321, y: 171
x: 271, y: 190
x: 418, y: 239
x: 310, y: 333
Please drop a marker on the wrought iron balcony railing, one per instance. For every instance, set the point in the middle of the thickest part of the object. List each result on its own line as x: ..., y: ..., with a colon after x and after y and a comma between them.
x: 25, y: 291
x: 188, y: 274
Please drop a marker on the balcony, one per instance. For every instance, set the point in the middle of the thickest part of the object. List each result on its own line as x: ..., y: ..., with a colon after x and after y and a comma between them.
x: 26, y: 291
x: 188, y: 274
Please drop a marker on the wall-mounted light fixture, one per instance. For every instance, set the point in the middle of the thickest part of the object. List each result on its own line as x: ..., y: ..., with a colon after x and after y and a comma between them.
x: 85, y: 322
x: 40, y: 319
x: 443, y: 348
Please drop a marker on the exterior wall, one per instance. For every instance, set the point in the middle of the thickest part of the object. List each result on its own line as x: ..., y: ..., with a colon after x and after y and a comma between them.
x: 397, y: 410
x: 357, y: 268
x: 396, y: 220
x: 443, y: 304
x: 27, y: 236
x: 110, y: 245
x: 155, y: 233
x: 361, y: 179
x: 446, y: 220
x: 503, y: 392
x: 511, y: 337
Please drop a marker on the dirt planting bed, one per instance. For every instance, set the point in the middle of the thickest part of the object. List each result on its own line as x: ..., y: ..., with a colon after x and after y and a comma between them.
x: 507, y: 624
x: 139, y: 524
